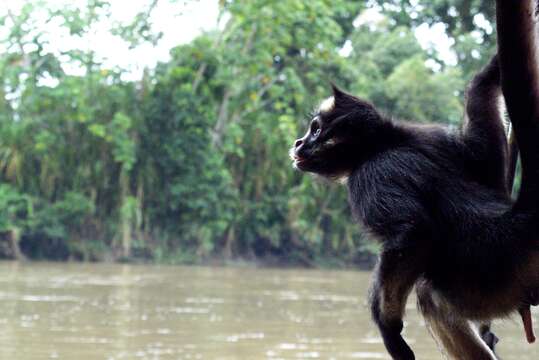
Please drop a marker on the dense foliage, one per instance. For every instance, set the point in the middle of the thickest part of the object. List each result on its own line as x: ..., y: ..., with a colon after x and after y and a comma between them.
x: 190, y: 162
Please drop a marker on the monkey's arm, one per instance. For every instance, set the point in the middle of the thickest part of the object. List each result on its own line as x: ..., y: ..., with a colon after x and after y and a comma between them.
x: 396, y: 273
x: 517, y: 53
x: 387, y: 195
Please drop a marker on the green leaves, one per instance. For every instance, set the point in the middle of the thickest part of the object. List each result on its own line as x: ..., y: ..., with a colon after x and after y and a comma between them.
x: 191, y: 160
x: 119, y: 135
x: 15, y: 208
x: 418, y: 93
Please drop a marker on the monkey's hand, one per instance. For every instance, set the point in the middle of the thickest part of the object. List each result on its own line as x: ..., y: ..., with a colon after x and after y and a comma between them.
x: 395, y: 344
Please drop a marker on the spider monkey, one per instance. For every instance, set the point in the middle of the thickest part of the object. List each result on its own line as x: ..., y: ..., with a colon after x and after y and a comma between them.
x: 438, y: 200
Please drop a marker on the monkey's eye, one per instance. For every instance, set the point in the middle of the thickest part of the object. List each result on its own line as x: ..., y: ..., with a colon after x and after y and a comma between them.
x: 315, y: 129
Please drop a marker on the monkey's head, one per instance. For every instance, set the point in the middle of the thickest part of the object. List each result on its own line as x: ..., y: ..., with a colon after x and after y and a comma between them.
x: 342, y: 132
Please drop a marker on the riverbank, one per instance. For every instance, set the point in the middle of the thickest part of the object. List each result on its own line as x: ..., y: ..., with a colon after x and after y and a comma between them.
x: 15, y: 247
x: 363, y: 262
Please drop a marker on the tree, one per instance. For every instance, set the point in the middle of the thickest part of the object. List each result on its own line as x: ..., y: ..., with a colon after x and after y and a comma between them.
x: 190, y: 161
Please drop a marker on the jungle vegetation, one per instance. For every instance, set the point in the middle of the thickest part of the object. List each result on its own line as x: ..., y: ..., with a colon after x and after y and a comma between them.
x: 189, y: 161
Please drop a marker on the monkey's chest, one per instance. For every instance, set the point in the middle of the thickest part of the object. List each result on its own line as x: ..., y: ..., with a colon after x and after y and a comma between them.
x: 390, y: 216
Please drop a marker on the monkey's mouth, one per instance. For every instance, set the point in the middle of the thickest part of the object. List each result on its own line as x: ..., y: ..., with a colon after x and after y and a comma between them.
x: 300, y: 162
x: 296, y: 159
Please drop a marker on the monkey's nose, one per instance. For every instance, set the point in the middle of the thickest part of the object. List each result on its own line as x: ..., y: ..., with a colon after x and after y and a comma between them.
x: 298, y: 143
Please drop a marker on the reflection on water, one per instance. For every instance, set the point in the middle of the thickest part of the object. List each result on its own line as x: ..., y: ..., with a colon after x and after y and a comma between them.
x: 96, y: 311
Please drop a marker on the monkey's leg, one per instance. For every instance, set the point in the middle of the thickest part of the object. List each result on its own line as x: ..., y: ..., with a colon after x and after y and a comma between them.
x: 395, y: 276
x: 458, y: 338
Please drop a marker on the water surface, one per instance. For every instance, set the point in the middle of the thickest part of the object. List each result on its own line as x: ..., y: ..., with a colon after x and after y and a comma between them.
x: 97, y: 311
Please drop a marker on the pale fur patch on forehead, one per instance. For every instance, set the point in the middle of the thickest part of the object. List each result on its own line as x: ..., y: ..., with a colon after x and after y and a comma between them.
x: 327, y: 105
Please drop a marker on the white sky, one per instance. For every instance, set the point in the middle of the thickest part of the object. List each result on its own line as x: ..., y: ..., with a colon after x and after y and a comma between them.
x: 180, y: 22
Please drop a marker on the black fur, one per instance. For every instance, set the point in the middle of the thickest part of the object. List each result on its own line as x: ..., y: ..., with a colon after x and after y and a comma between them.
x: 438, y: 200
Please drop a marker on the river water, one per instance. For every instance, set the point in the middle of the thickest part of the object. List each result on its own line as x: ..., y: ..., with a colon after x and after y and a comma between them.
x: 99, y: 311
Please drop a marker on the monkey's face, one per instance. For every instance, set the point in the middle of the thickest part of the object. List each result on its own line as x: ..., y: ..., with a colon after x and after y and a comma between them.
x: 330, y: 146
x: 317, y: 151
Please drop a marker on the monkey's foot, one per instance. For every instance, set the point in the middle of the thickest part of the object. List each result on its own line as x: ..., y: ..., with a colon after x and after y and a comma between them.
x: 489, y: 338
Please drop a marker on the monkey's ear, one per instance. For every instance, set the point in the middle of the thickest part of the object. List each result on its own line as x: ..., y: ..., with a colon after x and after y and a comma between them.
x: 342, y: 98
x: 337, y: 92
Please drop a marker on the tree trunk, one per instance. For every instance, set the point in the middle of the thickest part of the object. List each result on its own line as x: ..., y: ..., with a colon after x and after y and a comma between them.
x: 229, y: 243
x: 126, y: 234
x: 14, y: 236
x: 220, y: 126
